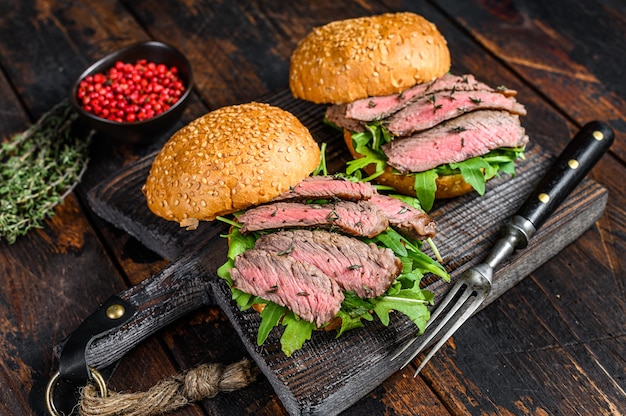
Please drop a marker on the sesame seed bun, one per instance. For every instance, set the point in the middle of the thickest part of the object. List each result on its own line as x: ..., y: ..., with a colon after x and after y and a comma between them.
x: 227, y: 160
x: 347, y: 60
x: 448, y: 186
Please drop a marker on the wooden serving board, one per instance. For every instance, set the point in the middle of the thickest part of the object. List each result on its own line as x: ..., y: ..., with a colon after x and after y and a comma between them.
x: 328, y: 374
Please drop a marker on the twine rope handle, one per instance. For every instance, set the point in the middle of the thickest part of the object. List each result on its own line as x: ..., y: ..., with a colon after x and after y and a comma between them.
x: 202, y: 382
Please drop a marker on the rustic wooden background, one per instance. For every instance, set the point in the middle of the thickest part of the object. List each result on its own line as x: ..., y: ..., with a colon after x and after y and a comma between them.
x: 553, y: 344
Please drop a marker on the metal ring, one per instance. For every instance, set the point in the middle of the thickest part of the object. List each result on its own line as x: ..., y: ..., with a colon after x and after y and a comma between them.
x: 95, y: 374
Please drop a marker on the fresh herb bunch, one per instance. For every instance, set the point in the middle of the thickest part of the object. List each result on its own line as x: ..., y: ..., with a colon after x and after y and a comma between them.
x: 475, y: 171
x: 39, y: 168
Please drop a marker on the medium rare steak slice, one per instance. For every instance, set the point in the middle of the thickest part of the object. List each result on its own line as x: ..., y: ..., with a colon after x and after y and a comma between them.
x: 299, y: 286
x: 378, y: 108
x: 328, y: 187
x: 456, y: 140
x: 336, y: 114
x: 408, y: 221
x: 360, y: 218
x: 363, y: 268
x: 432, y: 109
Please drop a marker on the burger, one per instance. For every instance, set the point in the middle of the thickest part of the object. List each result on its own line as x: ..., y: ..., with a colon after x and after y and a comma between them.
x: 307, y: 250
x: 408, y: 122
x: 227, y: 160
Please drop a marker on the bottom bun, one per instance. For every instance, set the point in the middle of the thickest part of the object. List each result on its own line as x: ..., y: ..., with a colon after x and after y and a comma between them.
x: 448, y: 186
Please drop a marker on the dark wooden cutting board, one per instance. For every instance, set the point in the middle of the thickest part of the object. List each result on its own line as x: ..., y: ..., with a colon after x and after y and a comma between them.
x: 328, y: 374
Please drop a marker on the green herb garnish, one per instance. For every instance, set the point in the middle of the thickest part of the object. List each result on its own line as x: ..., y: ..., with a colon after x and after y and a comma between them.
x: 39, y: 168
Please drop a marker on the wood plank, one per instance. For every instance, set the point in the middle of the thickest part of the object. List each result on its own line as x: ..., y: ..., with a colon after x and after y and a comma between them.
x: 234, y: 65
x: 468, y: 226
x: 15, y: 316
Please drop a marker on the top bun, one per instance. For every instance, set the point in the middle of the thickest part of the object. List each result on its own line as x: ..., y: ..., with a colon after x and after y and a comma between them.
x: 347, y: 60
x: 227, y: 160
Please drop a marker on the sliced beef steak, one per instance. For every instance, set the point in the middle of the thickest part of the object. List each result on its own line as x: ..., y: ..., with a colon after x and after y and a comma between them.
x: 299, y: 286
x: 360, y: 218
x: 408, y: 221
x: 328, y: 187
x: 464, y: 137
x: 378, y: 108
x: 363, y: 268
x: 336, y: 114
x: 432, y: 109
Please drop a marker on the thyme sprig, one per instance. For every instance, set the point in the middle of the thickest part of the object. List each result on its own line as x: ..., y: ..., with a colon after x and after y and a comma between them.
x: 38, y: 169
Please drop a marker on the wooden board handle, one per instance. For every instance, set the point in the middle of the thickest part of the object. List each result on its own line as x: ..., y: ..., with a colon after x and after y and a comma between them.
x: 185, y: 285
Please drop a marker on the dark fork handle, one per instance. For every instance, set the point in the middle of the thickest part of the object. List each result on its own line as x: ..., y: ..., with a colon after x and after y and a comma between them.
x: 572, y: 165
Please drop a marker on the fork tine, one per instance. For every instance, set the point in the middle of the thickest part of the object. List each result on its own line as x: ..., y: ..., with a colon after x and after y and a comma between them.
x: 457, y: 324
x: 442, y: 323
x: 452, y: 293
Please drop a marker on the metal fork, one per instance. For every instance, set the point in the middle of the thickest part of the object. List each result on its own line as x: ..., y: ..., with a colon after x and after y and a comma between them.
x: 474, y: 285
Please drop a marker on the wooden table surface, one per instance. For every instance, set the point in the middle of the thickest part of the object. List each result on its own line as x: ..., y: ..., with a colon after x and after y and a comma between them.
x: 553, y: 344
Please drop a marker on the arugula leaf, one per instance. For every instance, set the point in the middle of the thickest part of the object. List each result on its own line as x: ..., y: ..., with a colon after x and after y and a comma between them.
x: 407, y: 251
x: 224, y: 271
x: 321, y: 168
x: 297, y: 332
x: 362, y: 146
x: 411, y: 303
x: 349, y: 322
x: 270, y: 317
x: 239, y: 243
x: 393, y: 240
x: 244, y: 300
x: 425, y: 187
x: 472, y: 171
x: 229, y: 221
x: 422, y: 262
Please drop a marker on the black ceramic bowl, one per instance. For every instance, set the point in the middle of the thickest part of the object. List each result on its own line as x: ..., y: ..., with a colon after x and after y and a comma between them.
x: 148, y: 130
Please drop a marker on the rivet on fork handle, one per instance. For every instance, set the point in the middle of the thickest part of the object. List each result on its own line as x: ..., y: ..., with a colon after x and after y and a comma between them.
x: 572, y: 165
